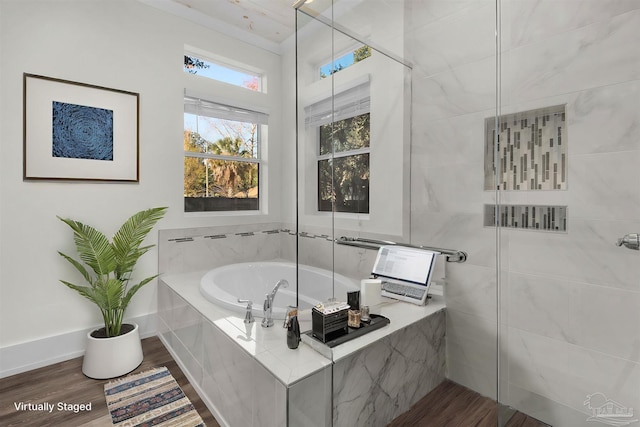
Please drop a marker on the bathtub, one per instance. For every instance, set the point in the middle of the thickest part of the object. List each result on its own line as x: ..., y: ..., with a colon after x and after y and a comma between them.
x: 253, y: 280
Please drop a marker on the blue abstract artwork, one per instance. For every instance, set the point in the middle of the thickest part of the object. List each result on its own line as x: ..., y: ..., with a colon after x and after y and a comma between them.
x: 81, y: 132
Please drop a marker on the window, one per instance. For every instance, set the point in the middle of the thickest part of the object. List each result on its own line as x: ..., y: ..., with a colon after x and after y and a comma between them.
x: 343, y: 165
x: 345, y: 61
x: 216, y: 71
x: 221, y: 156
x: 342, y: 123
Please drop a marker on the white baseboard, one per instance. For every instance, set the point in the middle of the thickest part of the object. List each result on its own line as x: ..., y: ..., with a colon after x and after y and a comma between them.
x: 31, y: 355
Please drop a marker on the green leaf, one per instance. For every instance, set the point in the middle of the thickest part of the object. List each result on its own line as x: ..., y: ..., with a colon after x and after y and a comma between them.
x: 78, y: 267
x: 85, y: 291
x: 134, y: 289
x: 93, y: 247
x: 127, y: 240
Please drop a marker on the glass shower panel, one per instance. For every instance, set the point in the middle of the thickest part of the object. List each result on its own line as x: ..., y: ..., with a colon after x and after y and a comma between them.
x: 569, y: 188
x: 353, y: 137
x: 314, y: 50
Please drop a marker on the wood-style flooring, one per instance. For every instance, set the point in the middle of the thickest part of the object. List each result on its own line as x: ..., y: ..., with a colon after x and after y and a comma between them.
x: 64, y: 382
x: 449, y: 405
x: 452, y: 405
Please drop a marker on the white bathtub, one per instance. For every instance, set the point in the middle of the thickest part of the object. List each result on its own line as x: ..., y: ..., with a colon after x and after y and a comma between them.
x: 253, y: 280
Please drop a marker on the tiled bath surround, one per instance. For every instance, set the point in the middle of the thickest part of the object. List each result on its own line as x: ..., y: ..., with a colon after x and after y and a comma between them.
x: 396, y: 370
x: 377, y: 384
x: 184, y: 250
x: 569, y: 301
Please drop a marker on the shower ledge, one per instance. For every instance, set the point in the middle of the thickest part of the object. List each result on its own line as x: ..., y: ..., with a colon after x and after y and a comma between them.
x: 269, y: 345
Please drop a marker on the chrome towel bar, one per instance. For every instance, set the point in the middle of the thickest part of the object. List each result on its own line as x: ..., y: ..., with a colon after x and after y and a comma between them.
x: 451, y: 254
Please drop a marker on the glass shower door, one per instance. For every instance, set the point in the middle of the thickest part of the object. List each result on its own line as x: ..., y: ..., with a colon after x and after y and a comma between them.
x: 569, y: 191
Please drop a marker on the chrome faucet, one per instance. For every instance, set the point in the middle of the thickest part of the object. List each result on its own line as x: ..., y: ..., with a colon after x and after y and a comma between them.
x: 248, y: 316
x: 267, y: 321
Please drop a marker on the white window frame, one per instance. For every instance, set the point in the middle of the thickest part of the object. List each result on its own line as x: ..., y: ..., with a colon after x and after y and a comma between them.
x: 352, y: 100
x: 195, y: 105
x: 231, y: 65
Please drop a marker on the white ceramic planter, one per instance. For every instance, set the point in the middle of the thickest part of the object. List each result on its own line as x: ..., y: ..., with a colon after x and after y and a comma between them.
x: 112, y: 357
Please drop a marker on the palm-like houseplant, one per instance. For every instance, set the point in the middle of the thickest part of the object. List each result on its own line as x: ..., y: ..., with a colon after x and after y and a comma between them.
x: 112, y: 264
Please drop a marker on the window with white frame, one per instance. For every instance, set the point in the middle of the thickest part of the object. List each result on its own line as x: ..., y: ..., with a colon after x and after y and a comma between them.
x: 222, y: 146
x: 217, y: 70
x: 343, y: 150
x: 345, y: 61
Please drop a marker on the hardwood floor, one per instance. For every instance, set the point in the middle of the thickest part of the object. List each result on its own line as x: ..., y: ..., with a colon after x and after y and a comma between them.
x: 452, y: 405
x: 64, y: 382
x: 448, y: 405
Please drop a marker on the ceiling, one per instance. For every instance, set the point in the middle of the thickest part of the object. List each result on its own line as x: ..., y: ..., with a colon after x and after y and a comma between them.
x: 264, y: 23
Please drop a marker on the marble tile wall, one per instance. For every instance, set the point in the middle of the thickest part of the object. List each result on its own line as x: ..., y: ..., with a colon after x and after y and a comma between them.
x: 569, y: 302
x: 194, y: 249
x: 238, y: 389
x: 378, y: 383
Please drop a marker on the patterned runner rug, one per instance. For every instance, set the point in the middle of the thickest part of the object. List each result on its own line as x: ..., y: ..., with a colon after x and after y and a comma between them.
x: 150, y: 398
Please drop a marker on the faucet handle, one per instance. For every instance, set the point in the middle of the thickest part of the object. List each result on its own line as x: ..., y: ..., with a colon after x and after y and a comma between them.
x: 248, y: 318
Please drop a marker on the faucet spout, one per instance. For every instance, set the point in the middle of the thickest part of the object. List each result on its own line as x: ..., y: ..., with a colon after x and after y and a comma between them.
x: 282, y: 282
x: 267, y: 308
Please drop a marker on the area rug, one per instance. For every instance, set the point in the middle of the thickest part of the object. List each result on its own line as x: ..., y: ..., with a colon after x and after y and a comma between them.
x: 150, y: 398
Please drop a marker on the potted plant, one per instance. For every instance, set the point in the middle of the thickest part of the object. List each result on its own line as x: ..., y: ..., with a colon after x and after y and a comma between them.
x: 114, y: 349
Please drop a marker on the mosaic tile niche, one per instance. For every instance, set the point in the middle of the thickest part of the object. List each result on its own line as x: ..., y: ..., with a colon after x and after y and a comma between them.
x: 532, y: 150
x: 529, y: 217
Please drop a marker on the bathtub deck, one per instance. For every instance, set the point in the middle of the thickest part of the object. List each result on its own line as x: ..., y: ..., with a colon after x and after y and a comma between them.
x: 268, y: 345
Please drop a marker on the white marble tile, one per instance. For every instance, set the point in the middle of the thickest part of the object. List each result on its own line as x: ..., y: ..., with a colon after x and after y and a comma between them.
x: 269, y: 405
x: 544, y: 409
x: 473, y: 377
x: 310, y: 400
x: 454, y: 140
x: 604, y: 119
x: 188, y: 362
x: 443, y: 44
x: 530, y: 21
x: 230, y: 371
x: 567, y: 374
x: 457, y: 39
x: 542, y: 305
x: 381, y: 381
x: 453, y: 188
x: 205, y: 253
x: 566, y: 62
x: 419, y: 14
x: 472, y: 351
x: 607, y: 320
x: 605, y: 186
x: 464, y: 232
x: 466, y: 89
x: 587, y: 253
x: 471, y: 289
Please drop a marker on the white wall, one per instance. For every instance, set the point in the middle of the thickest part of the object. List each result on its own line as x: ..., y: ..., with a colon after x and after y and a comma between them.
x: 118, y: 44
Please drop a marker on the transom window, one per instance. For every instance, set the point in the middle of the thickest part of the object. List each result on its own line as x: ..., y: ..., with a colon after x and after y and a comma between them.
x: 345, y: 61
x: 217, y: 71
x: 222, y: 147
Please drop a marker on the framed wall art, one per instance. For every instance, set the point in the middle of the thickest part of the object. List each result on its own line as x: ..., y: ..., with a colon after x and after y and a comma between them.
x: 77, y: 131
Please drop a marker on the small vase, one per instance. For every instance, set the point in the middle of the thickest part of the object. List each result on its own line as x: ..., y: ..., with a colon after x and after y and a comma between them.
x: 112, y: 357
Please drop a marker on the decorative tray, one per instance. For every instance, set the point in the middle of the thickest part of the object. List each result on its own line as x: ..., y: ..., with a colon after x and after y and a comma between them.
x: 377, y: 322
